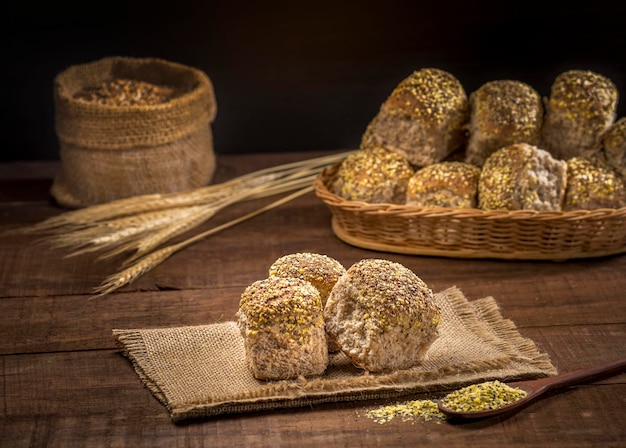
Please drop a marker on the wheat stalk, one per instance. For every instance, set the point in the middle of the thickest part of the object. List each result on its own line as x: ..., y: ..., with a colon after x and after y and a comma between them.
x: 147, y: 231
x: 135, y: 271
x: 139, y: 225
x: 149, y: 262
x: 85, y: 217
x: 151, y: 242
x: 115, y: 232
x: 133, y: 206
x: 144, y: 245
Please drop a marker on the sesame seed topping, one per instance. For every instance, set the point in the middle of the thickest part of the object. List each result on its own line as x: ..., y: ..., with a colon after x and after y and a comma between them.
x: 290, y: 306
x: 428, y: 93
x: 615, y: 136
x: 614, y: 146
x: 444, y: 184
x: 373, y: 175
x: 510, y: 107
x: 521, y: 177
x: 320, y: 270
x: 391, y: 295
x: 586, y: 97
x: 592, y: 184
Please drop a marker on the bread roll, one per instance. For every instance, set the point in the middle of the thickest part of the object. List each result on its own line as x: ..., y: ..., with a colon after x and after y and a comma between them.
x: 423, y: 119
x: 283, y: 329
x: 382, y: 316
x: 374, y: 175
x: 502, y: 113
x: 444, y: 184
x: 320, y: 270
x: 592, y: 184
x: 614, y: 146
x: 581, y: 106
x: 522, y: 177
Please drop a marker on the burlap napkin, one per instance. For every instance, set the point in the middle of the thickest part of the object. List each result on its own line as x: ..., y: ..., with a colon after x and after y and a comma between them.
x: 200, y: 371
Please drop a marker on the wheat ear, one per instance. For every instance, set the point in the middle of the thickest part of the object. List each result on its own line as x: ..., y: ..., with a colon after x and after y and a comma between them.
x: 117, y: 231
x: 88, y: 216
x: 80, y: 218
x: 150, y: 241
x: 149, y: 262
x: 142, y: 243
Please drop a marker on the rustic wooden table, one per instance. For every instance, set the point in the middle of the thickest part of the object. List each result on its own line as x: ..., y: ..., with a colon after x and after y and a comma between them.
x: 63, y: 383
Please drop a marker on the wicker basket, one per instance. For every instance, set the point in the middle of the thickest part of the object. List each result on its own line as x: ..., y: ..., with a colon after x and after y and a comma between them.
x: 473, y: 233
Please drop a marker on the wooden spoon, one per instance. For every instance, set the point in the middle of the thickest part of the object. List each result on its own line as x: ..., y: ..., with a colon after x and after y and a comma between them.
x: 536, y: 388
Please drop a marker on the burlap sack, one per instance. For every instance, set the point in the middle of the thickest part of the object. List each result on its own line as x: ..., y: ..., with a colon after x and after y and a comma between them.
x: 201, y: 371
x: 110, y: 152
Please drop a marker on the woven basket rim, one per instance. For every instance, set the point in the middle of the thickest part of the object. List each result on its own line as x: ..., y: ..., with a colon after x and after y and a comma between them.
x: 322, y: 183
x: 473, y: 233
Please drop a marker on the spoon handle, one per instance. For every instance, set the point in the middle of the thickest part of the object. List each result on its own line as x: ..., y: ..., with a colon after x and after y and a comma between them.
x: 585, y: 375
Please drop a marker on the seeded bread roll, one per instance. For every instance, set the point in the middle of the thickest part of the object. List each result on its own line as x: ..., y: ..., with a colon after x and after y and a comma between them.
x: 593, y: 184
x: 320, y: 270
x: 614, y: 145
x: 382, y: 315
x: 522, y: 177
x: 502, y: 113
x: 374, y: 175
x: 444, y: 184
x: 283, y: 329
x: 581, y: 106
x: 423, y: 119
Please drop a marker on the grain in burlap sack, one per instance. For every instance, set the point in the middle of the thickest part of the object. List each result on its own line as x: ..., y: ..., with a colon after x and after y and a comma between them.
x: 109, y: 152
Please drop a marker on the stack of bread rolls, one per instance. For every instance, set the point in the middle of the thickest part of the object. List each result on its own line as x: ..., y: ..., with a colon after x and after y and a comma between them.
x: 379, y: 313
x: 503, y: 147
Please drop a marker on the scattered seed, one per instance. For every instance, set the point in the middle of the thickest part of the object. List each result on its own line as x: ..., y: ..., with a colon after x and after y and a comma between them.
x: 425, y: 410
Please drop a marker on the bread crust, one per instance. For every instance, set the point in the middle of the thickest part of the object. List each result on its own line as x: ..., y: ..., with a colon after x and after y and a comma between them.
x: 502, y: 112
x: 373, y: 175
x: 614, y: 146
x: 593, y: 184
x: 320, y: 270
x: 581, y: 106
x: 522, y: 177
x: 282, y: 325
x: 444, y: 184
x: 423, y: 119
x: 382, y: 315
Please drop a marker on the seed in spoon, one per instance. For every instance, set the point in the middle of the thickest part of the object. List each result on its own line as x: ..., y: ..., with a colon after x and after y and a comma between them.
x: 483, y: 396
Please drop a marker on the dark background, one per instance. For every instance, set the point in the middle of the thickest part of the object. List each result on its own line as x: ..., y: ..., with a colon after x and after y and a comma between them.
x: 290, y: 75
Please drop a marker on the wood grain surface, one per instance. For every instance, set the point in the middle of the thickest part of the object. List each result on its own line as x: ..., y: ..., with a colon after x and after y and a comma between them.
x: 64, y: 384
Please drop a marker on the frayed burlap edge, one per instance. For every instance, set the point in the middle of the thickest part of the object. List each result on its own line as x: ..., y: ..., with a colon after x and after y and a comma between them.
x: 514, y: 357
